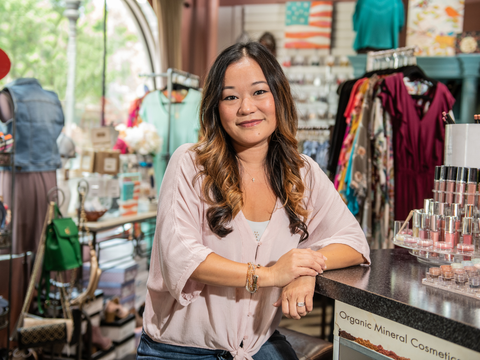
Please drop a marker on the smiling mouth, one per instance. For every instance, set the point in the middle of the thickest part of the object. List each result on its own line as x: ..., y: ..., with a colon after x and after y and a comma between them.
x: 250, y: 123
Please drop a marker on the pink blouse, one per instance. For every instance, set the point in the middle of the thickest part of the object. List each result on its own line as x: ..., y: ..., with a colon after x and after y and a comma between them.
x: 183, y: 312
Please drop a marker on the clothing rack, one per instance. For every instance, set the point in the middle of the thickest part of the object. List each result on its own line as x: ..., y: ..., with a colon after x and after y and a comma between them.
x: 312, y: 128
x: 391, y: 59
x: 174, y: 76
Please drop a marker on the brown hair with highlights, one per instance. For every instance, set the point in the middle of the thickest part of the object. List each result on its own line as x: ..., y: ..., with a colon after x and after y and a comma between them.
x: 216, y: 157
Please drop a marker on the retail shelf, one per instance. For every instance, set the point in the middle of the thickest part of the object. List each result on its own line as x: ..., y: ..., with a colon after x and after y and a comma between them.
x: 435, y: 256
x: 449, y: 288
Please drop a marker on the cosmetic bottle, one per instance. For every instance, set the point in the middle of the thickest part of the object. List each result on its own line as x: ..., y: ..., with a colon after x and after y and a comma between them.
x: 461, y: 185
x: 428, y: 206
x: 436, y: 183
x: 450, y: 231
x: 451, y: 177
x: 416, y: 223
x: 440, y: 211
x: 435, y: 223
x: 456, y: 212
x: 424, y: 226
x: 467, y: 226
x: 468, y: 212
x: 442, y: 184
x: 471, y: 186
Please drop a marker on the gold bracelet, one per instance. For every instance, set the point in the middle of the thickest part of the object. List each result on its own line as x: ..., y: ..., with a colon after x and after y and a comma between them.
x: 252, y: 279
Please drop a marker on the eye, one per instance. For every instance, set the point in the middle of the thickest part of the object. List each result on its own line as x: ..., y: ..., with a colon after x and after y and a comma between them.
x: 260, y: 92
x: 230, y: 97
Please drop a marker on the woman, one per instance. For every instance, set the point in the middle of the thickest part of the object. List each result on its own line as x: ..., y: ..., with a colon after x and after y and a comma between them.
x: 207, y: 298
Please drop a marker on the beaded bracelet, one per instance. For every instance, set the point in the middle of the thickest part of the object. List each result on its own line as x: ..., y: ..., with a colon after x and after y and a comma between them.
x: 252, y: 279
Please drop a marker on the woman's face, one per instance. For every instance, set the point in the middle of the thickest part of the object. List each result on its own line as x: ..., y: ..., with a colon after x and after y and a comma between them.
x: 247, y: 107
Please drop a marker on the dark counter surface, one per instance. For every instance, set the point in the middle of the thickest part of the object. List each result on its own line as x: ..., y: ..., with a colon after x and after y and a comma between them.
x: 392, y: 288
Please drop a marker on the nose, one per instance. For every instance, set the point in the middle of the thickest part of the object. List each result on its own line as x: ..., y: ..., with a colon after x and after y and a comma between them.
x: 247, y: 106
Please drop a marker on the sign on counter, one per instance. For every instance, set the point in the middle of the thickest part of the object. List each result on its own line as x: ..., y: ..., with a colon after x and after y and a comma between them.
x: 393, y: 339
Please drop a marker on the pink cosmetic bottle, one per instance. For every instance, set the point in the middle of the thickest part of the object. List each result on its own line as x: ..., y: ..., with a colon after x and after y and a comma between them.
x: 440, y: 211
x: 451, y: 177
x: 472, y: 186
x: 450, y: 231
x: 424, y: 226
x: 442, y: 184
x: 461, y: 185
x: 435, y: 223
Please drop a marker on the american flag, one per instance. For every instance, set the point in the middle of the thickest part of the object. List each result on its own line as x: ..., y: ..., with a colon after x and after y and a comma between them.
x: 308, y: 24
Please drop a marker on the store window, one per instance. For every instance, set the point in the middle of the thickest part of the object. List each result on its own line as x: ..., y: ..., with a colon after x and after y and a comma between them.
x: 35, y: 36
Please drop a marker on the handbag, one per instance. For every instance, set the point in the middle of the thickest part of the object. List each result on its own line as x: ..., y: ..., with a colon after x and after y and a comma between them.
x: 33, y: 331
x: 62, y: 248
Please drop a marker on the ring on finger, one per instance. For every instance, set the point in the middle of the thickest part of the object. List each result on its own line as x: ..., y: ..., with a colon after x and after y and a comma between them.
x: 300, y: 304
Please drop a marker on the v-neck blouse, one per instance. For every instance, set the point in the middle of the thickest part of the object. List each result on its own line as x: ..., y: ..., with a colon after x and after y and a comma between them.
x: 180, y: 311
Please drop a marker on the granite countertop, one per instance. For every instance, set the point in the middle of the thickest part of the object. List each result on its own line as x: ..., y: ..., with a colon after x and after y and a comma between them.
x: 391, y: 287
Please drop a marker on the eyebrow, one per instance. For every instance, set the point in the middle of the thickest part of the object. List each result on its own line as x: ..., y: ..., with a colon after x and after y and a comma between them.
x: 254, y: 83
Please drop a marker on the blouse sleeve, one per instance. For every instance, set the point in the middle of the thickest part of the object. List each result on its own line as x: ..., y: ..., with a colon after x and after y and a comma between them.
x: 178, y: 248
x: 330, y: 221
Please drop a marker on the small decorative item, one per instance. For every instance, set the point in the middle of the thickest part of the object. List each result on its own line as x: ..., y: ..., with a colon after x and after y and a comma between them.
x: 468, y: 43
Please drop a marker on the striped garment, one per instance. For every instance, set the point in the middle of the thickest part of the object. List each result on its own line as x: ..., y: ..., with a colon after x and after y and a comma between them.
x: 308, y: 24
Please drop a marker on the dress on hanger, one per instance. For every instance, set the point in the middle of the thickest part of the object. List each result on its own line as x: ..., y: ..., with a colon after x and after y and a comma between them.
x: 418, y: 142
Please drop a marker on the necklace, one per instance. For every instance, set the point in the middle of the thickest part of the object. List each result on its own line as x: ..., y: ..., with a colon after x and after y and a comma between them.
x: 244, y: 168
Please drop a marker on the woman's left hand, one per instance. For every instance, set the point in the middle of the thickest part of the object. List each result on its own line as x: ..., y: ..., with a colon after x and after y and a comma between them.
x: 299, y: 290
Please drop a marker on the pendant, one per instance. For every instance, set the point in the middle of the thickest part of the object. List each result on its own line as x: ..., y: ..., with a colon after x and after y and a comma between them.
x: 253, y: 179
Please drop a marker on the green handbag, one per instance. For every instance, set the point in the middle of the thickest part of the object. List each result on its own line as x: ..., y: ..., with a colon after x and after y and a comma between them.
x: 62, y: 251
x: 62, y: 248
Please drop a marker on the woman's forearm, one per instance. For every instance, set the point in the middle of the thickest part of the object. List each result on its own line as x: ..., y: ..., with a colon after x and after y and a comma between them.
x: 218, y: 271
x: 341, y: 256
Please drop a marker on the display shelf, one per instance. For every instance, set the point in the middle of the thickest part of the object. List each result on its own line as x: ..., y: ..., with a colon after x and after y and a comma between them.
x: 436, y: 256
x: 451, y: 289
x: 5, y: 239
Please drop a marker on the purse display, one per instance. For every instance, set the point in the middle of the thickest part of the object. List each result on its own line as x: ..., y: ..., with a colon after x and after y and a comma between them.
x: 33, y: 331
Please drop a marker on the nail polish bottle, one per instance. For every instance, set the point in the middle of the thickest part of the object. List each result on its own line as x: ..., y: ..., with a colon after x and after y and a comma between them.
x: 451, y: 177
x: 442, y: 184
x: 424, y: 226
x: 471, y: 186
x: 461, y: 185
x: 450, y: 231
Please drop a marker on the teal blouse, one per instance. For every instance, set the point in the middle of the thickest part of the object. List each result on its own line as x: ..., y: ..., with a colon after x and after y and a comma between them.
x: 377, y: 23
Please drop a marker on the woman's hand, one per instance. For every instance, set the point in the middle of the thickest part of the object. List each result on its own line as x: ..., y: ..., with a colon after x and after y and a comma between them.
x: 296, y: 263
x: 298, y: 291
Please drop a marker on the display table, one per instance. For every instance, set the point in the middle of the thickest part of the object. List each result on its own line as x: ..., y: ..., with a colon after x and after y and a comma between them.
x: 388, y: 298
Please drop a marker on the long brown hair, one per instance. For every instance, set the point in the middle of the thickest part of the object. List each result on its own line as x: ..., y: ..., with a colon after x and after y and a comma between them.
x: 217, y: 159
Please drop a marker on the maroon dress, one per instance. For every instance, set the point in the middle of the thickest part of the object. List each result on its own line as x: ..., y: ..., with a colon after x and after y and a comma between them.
x: 418, y: 142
